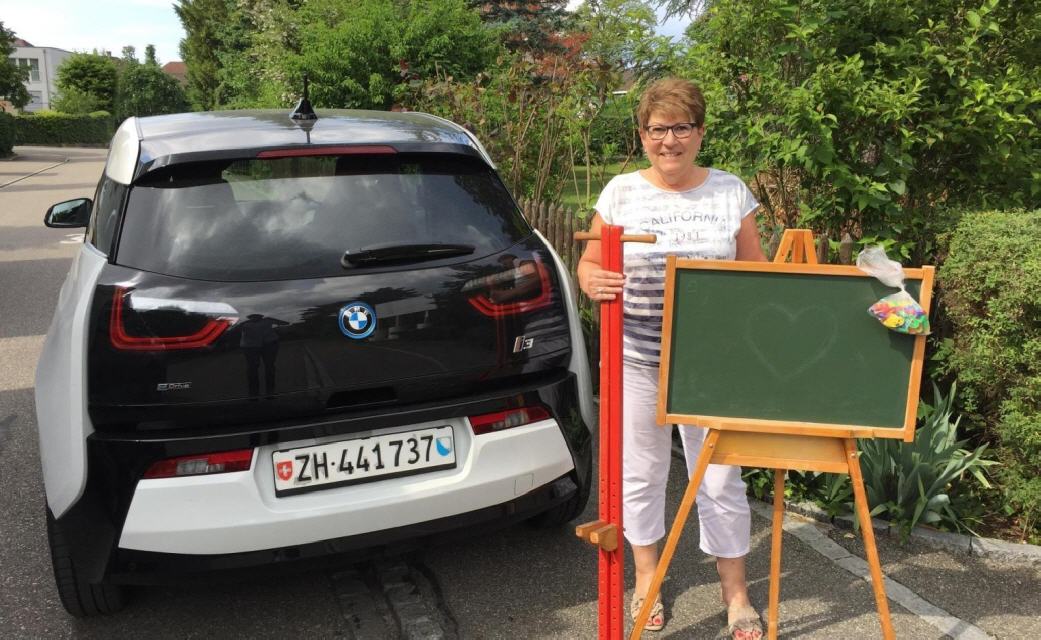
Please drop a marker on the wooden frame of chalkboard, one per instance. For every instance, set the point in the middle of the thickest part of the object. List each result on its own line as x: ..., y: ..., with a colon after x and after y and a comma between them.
x: 787, y: 348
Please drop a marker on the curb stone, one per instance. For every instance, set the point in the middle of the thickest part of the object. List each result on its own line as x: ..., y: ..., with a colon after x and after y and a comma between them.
x: 809, y: 533
x: 989, y: 547
x: 957, y: 542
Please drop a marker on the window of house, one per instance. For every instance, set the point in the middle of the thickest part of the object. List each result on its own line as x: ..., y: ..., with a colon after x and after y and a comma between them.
x: 33, y: 65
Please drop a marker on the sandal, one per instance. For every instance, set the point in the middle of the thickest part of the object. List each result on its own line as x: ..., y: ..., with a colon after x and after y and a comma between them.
x: 655, y: 621
x: 748, y: 620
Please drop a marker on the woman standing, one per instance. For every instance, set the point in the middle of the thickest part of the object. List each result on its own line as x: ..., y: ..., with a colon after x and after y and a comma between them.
x: 695, y: 212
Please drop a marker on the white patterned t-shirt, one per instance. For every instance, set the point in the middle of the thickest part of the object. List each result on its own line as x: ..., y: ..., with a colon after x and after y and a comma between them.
x: 699, y: 223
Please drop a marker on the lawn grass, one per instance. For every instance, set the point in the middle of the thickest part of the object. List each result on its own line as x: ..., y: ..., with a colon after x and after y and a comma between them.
x: 576, y: 200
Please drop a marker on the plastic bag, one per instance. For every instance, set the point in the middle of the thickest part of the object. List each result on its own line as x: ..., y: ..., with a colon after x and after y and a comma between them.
x: 899, y: 311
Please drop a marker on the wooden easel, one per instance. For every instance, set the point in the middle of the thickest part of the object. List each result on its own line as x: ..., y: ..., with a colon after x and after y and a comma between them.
x: 606, y: 532
x: 815, y: 450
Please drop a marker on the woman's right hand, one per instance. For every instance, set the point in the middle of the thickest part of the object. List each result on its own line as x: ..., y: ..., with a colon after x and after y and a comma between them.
x: 601, y: 285
x: 598, y: 284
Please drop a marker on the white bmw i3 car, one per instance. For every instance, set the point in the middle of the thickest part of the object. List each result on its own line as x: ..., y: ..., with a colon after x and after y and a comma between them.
x: 287, y: 339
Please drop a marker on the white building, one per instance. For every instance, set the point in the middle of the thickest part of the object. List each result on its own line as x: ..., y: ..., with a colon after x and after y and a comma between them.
x: 43, y: 63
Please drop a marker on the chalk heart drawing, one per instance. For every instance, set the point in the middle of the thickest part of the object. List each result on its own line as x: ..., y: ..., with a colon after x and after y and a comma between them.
x: 790, y: 358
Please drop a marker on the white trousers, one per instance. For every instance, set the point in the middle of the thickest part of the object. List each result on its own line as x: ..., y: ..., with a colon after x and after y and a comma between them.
x: 724, y: 518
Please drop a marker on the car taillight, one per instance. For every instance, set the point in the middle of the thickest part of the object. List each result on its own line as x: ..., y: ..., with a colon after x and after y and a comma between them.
x: 520, y: 289
x: 122, y: 339
x: 223, y: 462
x: 492, y: 422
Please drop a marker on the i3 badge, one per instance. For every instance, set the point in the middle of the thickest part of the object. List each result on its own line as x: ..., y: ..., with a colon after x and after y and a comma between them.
x: 357, y: 320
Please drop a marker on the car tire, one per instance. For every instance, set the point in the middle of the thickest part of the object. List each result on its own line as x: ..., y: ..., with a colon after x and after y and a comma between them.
x: 79, y: 597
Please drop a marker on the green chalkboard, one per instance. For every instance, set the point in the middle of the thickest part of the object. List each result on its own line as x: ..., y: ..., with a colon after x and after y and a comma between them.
x: 790, y: 343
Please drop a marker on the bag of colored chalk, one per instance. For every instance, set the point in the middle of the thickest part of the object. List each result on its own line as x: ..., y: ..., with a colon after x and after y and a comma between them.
x: 899, y: 311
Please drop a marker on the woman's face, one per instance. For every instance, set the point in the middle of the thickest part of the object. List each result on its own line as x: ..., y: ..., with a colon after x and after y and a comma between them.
x: 671, y: 156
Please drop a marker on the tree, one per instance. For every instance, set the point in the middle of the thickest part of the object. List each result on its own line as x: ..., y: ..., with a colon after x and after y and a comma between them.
x: 619, y: 50
x: 94, y: 74
x: 872, y: 118
x: 519, y: 121
x: 346, y: 49
x: 621, y: 38
x: 675, y: 8
x: 146, y: 90
x: 207, y: 26
x: 445, y: 36
x: 360, y: 54
x: 526, y: 25
x: 12, y: 77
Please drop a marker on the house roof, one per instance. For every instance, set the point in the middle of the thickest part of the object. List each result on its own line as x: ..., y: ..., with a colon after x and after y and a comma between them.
x: 175, y: 68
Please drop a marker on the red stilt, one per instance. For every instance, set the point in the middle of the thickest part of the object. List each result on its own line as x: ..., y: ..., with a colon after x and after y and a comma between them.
x: 612, y: 577
x: 606, y: 533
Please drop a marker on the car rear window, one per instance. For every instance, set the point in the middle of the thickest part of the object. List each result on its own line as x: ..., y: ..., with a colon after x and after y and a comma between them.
x: 288, y: 218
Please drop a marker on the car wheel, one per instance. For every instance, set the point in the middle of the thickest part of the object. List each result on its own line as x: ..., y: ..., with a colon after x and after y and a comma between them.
x: 79, y: 597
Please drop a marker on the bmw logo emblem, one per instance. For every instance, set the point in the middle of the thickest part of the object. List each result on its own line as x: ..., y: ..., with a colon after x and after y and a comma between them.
x: 357, y: 320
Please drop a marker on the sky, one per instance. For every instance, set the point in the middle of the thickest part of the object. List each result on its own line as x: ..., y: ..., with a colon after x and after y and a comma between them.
x: 85, y: 25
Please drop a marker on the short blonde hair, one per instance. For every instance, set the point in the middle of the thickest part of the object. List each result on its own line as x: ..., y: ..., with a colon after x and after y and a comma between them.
x: 672, y: 95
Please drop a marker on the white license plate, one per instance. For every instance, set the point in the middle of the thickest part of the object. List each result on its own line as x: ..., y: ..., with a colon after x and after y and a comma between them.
x: 363, y: 460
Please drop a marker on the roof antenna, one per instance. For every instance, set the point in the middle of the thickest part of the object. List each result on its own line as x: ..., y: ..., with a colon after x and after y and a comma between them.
x: 303, y: 110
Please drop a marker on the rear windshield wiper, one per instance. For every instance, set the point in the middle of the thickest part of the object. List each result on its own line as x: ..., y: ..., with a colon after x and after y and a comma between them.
x: 382, y: 254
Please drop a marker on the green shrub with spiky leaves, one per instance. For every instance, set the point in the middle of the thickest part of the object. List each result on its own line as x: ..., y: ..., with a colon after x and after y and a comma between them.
x: 910, y: 483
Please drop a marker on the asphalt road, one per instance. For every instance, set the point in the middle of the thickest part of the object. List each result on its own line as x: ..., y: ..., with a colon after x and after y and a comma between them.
x: 520, y: 582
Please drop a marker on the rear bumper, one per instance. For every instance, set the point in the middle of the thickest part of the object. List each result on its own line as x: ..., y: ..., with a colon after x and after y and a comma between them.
x: 124, y: 529
x: 239, y: 512
x: 143, y: 567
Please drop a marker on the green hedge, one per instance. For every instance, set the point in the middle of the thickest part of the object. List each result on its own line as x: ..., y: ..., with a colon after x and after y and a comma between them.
x: 53, y: 128
x: 7, y: 129
x: 991, y: 289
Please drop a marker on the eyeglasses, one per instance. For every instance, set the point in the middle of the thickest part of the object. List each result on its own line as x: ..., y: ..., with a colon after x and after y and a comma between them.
x: 680, y: 130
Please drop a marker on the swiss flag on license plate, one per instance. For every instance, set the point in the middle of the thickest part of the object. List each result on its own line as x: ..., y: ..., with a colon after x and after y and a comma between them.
x: 285, y: 469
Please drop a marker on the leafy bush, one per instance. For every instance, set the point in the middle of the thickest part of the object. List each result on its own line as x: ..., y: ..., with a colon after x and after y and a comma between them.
x: 76, y: 101
x: 910, y: 482
x: 7, y: 134
x: 990, y: 288
x: 49, y: 127
x: 518, y: 122
x: 871, y: 117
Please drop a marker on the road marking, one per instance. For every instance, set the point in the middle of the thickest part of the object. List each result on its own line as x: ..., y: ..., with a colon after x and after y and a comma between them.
x: 56, y: 251
x: 19, y: 356
x: 57, y: 164
x: 805, y: 531
x: 73, y: 238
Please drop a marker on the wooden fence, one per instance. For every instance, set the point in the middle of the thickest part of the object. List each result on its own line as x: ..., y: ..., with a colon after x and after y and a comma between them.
x: 558, y: 225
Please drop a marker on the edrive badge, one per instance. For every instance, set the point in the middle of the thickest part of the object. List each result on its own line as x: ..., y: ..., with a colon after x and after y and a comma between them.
x: 357, y: 320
